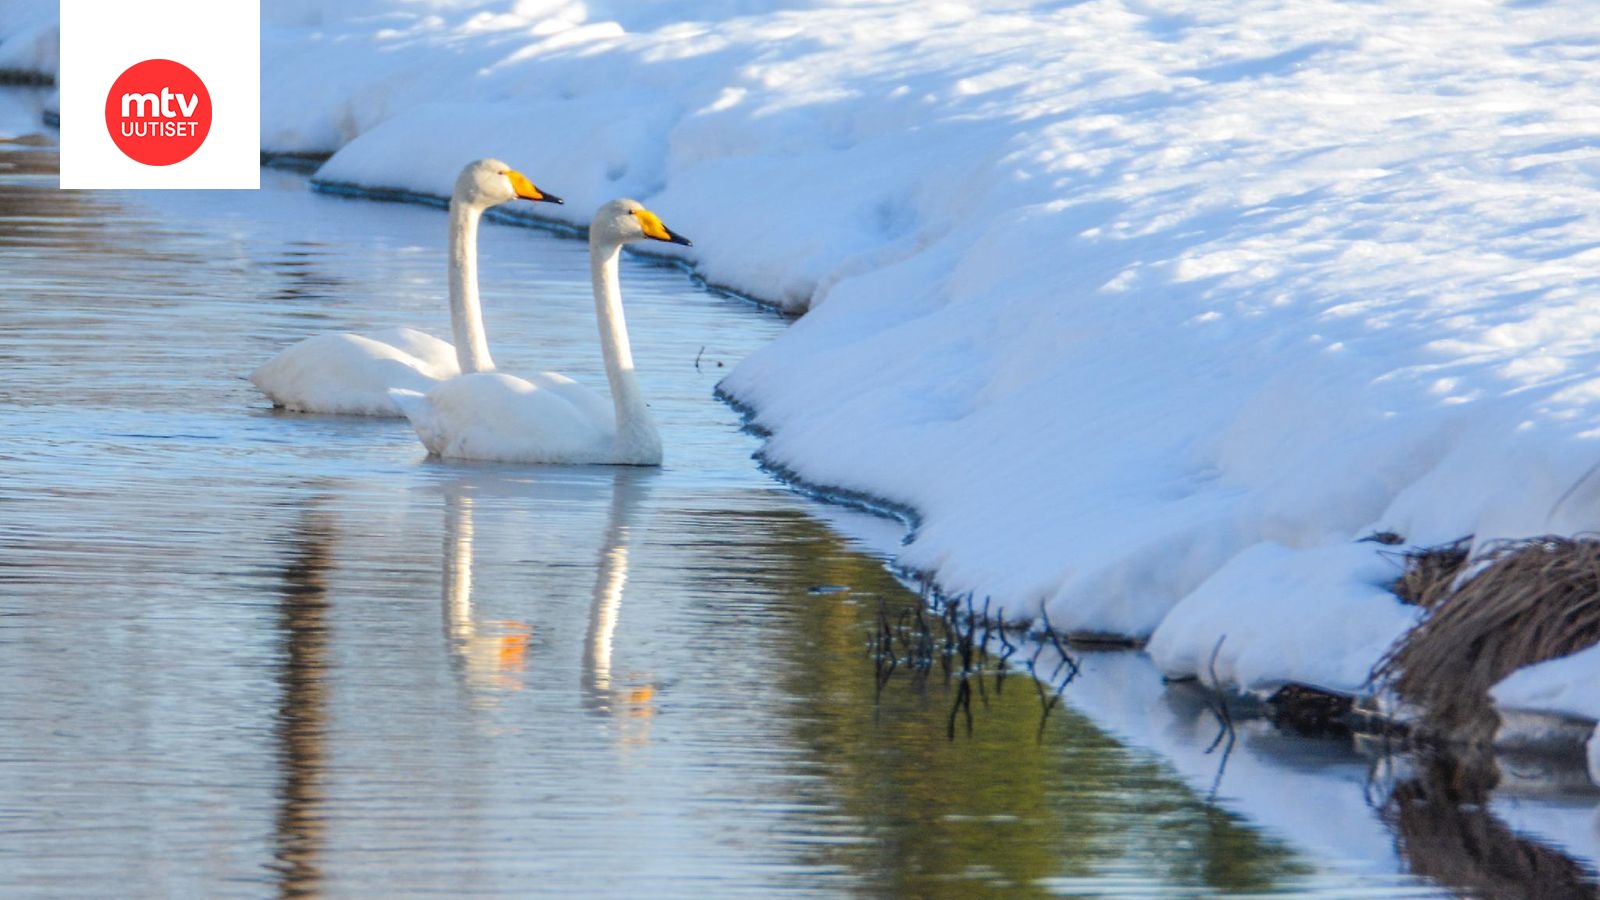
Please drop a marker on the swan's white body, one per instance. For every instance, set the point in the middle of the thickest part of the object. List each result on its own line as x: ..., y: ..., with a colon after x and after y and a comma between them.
x: 352, y: 374
x: 548, y: 418
x: 551, y: 418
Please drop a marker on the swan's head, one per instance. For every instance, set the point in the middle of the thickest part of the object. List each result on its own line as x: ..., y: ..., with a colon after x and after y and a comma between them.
x: 625, y: 221
x: 490, y: 182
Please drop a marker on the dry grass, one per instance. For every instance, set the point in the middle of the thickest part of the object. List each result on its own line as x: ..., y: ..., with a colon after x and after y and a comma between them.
x: 1431, y: 572
x: 1531, y: 600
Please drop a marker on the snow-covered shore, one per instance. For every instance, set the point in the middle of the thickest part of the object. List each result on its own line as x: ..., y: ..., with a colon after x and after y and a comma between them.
x: 30, y: 35
x: 1149, y: 311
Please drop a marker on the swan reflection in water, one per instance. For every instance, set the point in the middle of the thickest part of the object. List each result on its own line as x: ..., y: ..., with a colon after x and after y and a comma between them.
x: 601, y: 693
x: 493, y: 654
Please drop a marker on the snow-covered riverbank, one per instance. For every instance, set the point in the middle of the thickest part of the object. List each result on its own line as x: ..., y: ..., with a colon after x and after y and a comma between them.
x: 1150, y: 312
x: 29, y: 36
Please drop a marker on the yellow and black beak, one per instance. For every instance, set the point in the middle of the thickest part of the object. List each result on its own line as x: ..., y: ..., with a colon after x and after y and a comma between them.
x: 526, y: 191
x: 653, y: 229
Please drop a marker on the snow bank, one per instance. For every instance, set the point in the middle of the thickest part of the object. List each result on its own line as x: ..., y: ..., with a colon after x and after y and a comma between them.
x: 1566, y: 686
x: 1273, y: 615
x: 1145, y: 309
x: 30, y: 38
x: 19, y: 117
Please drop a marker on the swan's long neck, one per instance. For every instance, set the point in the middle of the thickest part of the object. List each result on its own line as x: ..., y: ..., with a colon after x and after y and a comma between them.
x: 636, y: 431
x: 466, y: 317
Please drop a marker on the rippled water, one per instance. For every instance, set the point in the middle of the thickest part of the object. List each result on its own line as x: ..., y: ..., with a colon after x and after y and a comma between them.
x: 247, y: 652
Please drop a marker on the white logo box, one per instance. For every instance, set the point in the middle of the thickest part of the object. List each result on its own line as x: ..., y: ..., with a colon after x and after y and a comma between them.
x: 219, y: 39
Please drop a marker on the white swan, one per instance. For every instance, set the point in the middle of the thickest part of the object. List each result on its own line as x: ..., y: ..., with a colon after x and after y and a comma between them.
x: 551, y: 418
x: 351, y: 374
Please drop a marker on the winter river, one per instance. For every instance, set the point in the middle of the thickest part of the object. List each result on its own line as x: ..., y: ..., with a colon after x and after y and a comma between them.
x: 251, y: 653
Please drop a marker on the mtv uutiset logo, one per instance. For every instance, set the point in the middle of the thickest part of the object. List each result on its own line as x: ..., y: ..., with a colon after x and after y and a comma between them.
x: 158, y: 128
x: 160, y: 94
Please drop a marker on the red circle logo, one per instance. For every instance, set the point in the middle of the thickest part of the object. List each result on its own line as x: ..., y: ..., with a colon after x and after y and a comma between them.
x: 158, y: 112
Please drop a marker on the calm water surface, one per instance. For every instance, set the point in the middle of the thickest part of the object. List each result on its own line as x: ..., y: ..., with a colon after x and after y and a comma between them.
x: 250, y: 653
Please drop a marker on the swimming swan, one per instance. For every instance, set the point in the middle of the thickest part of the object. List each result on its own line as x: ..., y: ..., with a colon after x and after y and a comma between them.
x: 351, y: 374
x: 551, y: 418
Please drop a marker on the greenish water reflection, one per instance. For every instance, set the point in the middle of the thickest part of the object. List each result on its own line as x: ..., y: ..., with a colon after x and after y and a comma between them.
x: 1001, y: 808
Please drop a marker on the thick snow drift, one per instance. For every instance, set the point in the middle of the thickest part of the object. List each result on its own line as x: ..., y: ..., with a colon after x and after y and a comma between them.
x: 1149, y: 310
x: 1565, y: 686
x: 30, y: 37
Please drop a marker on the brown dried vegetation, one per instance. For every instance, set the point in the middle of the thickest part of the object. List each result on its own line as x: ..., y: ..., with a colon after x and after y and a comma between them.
x: 1527, y: 601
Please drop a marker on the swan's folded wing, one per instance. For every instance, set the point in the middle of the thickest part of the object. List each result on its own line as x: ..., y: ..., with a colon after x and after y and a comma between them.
x: 438, y: 356
x: 593, y: 405
x: 344, y: 374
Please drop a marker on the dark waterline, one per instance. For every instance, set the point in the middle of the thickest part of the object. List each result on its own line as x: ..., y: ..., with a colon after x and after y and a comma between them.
x: 243, y: 652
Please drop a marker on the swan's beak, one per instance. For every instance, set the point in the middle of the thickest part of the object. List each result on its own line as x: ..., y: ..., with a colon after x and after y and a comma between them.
x: 653, y: 229
x: 526, y: 191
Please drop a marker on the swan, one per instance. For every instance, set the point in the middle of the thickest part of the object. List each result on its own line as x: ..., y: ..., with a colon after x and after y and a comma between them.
x: 351, y: 374
x: 551, y: 418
